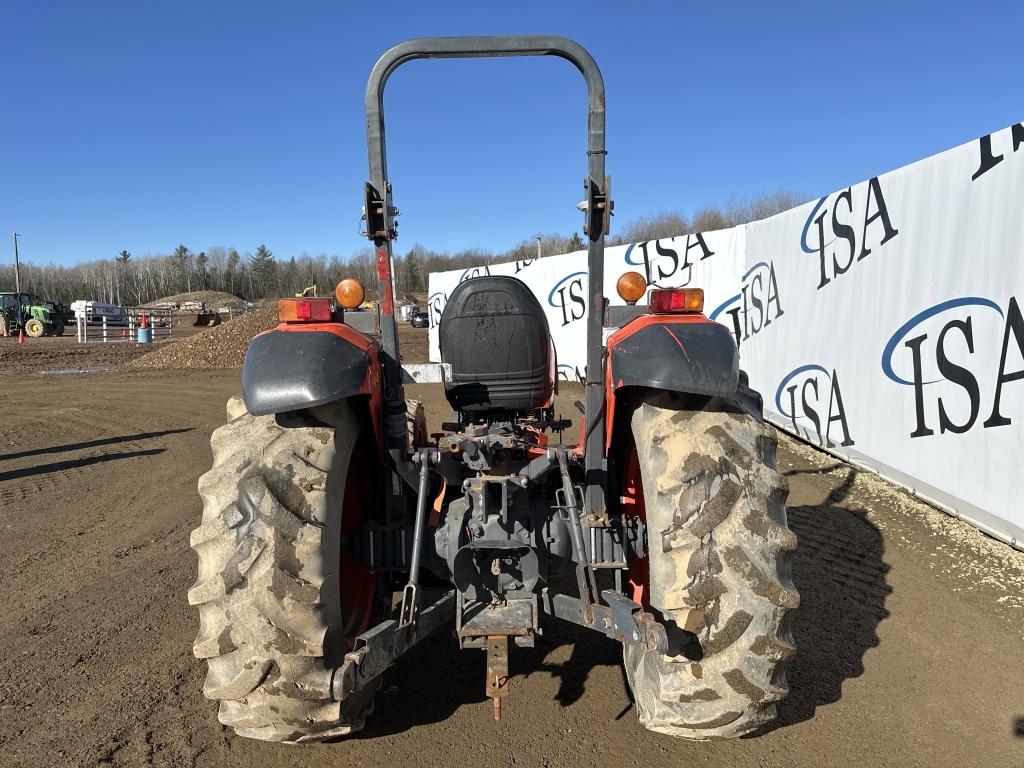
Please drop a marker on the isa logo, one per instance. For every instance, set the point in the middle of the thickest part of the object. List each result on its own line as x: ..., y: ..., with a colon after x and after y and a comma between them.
x: 569, y: 297
x: 841, y: 238
x: 435, y: 306
x: 756, y: 305
x: 812, y: 392
x: 957, y: 358
x: 666, y: 260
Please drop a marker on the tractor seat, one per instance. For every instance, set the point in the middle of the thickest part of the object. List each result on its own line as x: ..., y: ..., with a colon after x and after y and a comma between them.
x: 494, y: 335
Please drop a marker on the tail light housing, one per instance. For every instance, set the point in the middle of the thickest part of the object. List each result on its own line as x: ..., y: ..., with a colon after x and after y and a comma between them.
x: 676, y: 301
x: 305, y: 310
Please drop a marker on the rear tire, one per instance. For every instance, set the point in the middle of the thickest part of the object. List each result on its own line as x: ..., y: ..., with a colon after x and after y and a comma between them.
x: 718, y: 569
x: 277, y: 599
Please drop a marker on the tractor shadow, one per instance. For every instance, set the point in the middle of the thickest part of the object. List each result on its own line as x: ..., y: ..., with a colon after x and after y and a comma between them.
x: 64, y: 466
x: 838, y: 568
x: 434, y: 680
x: 92, y: 443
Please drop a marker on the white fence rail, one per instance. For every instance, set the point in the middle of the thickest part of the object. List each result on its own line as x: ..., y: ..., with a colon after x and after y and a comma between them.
x: 110, y: 329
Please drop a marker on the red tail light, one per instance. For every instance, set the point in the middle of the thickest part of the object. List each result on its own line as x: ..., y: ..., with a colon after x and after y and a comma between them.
x: 673, y: 301
x: 304, y: 310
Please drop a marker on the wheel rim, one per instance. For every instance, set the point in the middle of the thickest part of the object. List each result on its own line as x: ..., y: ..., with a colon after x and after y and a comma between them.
x: 633, y: 506
x: 358, y: 584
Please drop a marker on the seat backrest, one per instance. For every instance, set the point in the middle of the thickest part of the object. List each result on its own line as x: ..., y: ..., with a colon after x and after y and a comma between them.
x: 494, y: 335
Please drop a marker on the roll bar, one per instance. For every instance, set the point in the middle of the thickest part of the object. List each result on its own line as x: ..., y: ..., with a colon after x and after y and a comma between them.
x: 380, y: 227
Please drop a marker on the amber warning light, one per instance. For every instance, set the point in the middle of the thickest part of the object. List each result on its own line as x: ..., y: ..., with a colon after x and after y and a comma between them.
x: 631, y: 287
x: 350, y: 293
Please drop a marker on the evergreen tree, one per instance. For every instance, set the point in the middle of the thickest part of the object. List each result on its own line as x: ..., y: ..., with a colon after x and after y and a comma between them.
x: 121, y: 259
x: 264, y: 270
x: 182, y: 261
x: 413, y: 271
x: 201, y: 262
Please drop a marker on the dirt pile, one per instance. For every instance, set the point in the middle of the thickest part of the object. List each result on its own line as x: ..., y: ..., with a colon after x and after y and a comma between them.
x: 212, y: 300
x: 220, y: 347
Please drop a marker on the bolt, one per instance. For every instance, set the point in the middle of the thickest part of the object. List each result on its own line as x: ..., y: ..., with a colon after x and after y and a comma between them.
x: 636, y: 637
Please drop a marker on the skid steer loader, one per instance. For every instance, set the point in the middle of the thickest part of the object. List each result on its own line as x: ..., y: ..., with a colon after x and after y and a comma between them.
x: 335, y: 535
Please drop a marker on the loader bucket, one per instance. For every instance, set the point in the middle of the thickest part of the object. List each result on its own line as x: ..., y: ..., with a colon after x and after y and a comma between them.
x: 208, y: 319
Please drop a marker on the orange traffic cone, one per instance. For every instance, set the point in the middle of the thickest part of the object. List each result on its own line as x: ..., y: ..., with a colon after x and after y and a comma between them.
x: 144, y: 321
x: 21, y: 335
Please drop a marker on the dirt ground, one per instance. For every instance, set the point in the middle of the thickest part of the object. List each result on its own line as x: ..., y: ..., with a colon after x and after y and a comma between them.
x: 910, y: 631
x: 63, y: 353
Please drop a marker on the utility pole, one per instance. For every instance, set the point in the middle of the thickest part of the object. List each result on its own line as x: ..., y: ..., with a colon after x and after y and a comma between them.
x: 17, y: 282
x: 17, y: 267
x: 538, y: 246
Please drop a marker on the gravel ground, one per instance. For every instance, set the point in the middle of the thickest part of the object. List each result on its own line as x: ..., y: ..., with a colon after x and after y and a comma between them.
x: 909, y: 629
x: 190, y: 348
x: 222, y: 346
x: 212, y: 299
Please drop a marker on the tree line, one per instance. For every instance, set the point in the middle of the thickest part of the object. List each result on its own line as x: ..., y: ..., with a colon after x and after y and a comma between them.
x: 129, y: 280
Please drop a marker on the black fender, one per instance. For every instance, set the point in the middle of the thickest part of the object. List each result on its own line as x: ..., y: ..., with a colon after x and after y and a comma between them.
x: 289, y: 370
x: 690, y: 357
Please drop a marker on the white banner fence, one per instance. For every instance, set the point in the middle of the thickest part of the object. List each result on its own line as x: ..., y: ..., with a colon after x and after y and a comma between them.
x: 882, y: 323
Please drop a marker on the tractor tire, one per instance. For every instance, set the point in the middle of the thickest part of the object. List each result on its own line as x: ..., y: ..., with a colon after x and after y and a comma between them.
x: 5, y: 328
x: 279, y: 603
x: 718, y: 571
x: 34, y: 328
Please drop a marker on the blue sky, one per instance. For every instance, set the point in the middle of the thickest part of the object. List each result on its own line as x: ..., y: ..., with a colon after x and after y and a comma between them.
x: 140, y: 125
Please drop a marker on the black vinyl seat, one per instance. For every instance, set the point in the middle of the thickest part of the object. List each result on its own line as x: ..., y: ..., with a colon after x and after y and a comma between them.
x: 494, y: 334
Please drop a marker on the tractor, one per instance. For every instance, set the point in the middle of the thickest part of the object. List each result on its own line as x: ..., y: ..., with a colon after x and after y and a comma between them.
x: 336, y: 534
x: 27, y: 311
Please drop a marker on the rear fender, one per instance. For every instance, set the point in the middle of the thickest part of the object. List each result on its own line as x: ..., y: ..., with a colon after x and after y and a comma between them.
x: 677, y: 353
x: 296, y: 366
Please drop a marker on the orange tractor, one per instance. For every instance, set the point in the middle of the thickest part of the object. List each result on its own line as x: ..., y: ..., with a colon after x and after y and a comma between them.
x: 336, y: 535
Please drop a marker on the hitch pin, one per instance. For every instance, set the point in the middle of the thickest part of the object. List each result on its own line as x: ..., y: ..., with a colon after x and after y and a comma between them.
x: 496, y: 685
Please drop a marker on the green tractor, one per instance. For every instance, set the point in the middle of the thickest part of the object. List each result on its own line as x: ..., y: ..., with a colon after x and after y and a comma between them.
x: 28, y: 311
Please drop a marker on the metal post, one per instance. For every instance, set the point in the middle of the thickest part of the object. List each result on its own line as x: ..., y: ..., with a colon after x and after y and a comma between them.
x: 17, y: 268
x: 17, y: 280
x: 538, y: 246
